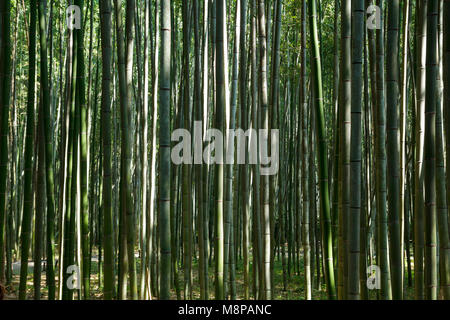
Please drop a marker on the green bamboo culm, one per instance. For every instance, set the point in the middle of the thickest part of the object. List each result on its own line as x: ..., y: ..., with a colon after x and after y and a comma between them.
x: 108, y: 265
x: 419, y: 199
x: 198, y: 169
x: 344, y: 117
x: 355, y: 150
x: 430, y: 153
x: 164, y: 149
x: 220, y: 107
x: 123, y: 262
x: 69, y: 220
x: 39, y: 179
x: 48, y: 153
x: 83, y: 171
x: 393, y: 148
x: 73, y: 185
x: 29, y: 134
x: 186, y: 171
x: 263, y: 100
x: 5, y: 92
x: 245, y: 202
x: 257, y: 236
x: 335, y: 186
x: 229, y: 143
x: 205, y: 103
x: 305, y: 158
x: 274, y: 122
x: 441, y: 199
x: 380, y: 178
x: 127, y: 145
x: 446, y: 107
x: 327, y: 241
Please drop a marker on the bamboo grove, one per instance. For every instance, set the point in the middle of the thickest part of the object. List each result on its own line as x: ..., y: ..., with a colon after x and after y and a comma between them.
x: 94, y: 205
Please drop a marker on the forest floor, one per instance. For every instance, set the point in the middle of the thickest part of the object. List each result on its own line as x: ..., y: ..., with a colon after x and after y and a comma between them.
x: 294, y: 285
